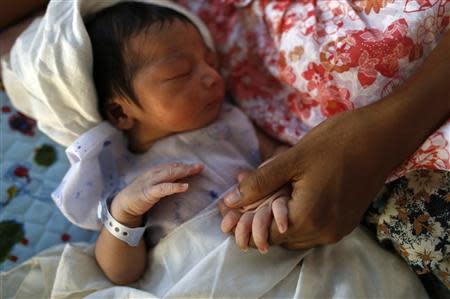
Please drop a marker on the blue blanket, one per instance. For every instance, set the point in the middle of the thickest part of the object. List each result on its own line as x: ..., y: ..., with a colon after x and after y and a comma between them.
x: 31, y: 167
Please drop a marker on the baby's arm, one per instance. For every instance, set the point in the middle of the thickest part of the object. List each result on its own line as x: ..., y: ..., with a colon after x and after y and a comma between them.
x: 122, y: 263
x: 268, y: 146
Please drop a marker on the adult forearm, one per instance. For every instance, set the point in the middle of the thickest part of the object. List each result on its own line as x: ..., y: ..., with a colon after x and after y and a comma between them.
x: 403, y: 120
x: 12, y: 11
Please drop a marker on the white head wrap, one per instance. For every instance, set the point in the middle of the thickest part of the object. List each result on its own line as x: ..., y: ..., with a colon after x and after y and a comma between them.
x: 48, y: 74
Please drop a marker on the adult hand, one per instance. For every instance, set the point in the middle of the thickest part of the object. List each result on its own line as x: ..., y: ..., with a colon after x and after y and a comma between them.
x: 335, y: 171
x: 254, y: 221
x: 337, y: 168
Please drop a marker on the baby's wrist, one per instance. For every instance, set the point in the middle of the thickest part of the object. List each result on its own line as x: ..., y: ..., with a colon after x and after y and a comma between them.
x: 123, y: 217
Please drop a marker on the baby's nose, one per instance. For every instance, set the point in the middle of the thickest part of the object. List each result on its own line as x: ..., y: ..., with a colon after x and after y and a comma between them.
x: 208, y: 81
x: 211, y: 78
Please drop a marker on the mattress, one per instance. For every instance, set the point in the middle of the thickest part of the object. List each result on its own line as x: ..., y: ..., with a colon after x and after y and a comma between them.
x: 31, y: 166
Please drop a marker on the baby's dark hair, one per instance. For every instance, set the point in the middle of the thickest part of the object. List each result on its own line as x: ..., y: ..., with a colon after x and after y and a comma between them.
x: 115, y: 63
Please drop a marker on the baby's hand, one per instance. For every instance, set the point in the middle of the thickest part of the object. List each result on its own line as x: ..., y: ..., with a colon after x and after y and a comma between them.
x: 255, y: 220
x: 130, y: 204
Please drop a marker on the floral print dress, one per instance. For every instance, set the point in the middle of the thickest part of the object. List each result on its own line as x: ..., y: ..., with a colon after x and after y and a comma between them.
x: 292, y: 64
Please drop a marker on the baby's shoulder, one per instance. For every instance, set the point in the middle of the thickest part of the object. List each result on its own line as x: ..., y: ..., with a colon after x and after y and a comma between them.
x: 91, y: 143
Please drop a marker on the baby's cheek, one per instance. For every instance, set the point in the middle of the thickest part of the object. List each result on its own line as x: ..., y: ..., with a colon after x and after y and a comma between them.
x: 183, y: 119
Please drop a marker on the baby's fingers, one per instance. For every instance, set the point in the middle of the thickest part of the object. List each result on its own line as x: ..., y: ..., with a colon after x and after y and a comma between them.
x: 280, y: 213
x: 260, y: 228
x: 230, y: 220
x: 159, y: 191
x: 174, y: 171
x: 153, y: 194
x: 244, y: 230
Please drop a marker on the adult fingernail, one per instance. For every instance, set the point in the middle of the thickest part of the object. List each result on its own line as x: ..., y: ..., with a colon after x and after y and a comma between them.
x: 233, y: 198
x: 283, y: 229
x: 263, y: 250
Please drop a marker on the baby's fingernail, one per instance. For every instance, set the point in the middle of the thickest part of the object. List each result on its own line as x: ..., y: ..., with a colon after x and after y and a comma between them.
x: 233, y: 198
x: 185, y: 186
x: 225, y: 226
x: 283, y: 229
x: 240, y: 177
x: 263, y: 250
x: 245, y: 249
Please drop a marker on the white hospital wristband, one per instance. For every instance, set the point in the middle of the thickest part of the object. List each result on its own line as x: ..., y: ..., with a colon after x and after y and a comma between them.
x: 129, y: 235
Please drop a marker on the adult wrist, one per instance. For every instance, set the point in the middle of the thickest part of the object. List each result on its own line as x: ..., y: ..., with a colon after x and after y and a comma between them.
x: 402, y: 121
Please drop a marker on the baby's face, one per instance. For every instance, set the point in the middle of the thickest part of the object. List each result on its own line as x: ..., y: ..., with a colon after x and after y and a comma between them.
x: 180, y: 88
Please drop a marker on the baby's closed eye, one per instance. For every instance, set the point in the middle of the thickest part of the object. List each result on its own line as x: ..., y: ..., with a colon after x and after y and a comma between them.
x: 179, y: 75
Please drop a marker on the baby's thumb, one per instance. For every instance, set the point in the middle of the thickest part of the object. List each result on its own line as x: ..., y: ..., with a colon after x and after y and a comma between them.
x: 258, y: 184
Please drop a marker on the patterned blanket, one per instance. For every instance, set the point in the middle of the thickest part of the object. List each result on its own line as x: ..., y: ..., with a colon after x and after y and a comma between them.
x: 31, y: 167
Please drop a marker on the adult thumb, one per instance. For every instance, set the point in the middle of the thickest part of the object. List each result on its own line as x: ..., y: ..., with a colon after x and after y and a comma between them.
x: 261, y: 182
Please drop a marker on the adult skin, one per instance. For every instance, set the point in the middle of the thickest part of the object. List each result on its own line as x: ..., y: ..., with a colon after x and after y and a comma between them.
x: 13, y: 11
x: 15, y: 17
x: 337, y: 169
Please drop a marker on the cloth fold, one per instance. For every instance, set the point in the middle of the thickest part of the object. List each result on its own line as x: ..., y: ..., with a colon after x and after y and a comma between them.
x: 197, y: 260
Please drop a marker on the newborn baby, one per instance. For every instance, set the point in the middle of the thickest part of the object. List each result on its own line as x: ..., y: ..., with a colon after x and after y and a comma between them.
x: 158, y: 83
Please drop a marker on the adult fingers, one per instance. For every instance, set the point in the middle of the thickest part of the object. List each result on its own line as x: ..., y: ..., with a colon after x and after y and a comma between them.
x: 260, y: 228
x: 243, y: 174
x: 302, y: 245
x: 173, y: 171
x: 261, y: 182
x: 243, y: 230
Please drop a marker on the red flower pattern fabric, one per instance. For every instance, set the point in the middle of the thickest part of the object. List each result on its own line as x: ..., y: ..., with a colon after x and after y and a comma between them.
x: 292, y: 64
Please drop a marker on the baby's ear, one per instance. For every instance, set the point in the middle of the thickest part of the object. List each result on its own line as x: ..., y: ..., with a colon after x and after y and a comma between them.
x: 118, y: 113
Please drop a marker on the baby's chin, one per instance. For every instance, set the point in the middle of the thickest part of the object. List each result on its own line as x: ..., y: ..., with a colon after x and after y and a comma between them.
x: 204, y: 117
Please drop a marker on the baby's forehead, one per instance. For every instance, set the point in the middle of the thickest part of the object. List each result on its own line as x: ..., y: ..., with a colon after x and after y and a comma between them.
x: 163, y: 44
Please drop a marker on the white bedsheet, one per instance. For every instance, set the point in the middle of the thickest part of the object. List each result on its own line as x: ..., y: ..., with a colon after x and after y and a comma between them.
x: 198, y: 261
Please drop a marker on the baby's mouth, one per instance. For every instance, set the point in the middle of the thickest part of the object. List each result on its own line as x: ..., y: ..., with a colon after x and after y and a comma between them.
x: 211, y: 105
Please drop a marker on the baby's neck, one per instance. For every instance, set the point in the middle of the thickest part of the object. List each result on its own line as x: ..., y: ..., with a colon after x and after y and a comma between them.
x: 138, y: 146
x: 140, y: 142
x: 137, y: 149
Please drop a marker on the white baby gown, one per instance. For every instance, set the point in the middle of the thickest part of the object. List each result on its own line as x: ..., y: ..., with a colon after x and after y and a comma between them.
x: 101, y: 166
